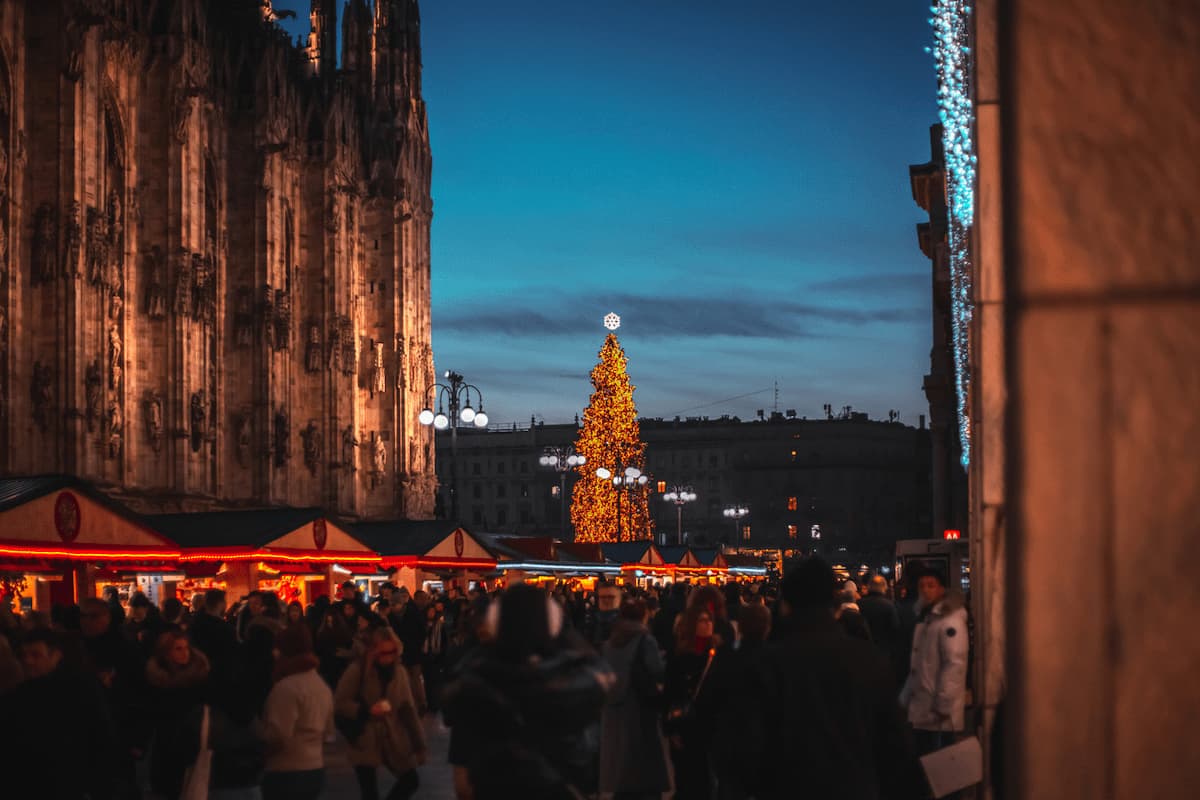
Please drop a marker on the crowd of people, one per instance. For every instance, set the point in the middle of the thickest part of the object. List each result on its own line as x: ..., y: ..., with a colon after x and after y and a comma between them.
x: 764, y: 691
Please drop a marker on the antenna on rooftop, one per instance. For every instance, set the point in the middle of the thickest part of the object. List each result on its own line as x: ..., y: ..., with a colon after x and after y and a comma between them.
x: 776, y: 409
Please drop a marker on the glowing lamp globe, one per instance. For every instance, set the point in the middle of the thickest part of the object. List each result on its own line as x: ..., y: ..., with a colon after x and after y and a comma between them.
x: 441, y: 422
x: 481, y: 420
x: 426, y: 417
x: 467, y: 414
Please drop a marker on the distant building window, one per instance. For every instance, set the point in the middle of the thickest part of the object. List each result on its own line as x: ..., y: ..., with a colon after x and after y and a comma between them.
x: 477, y: 515
x: 523, y: 466
x: 714, y: 460
x: 501, y: 490
x: 475, y: 468
x: 500, y: 467
x: 524, y: 490
x: 526, y: 515
x: 746, y: 532
x: 501, y: 517
x: 477, y: 491
x: 662, y: 487
x: 793, y: 455
x: 792, y: 503
x: 792, y: 531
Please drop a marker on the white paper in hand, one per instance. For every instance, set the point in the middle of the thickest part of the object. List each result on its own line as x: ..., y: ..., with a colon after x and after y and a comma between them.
x: 955, y: 767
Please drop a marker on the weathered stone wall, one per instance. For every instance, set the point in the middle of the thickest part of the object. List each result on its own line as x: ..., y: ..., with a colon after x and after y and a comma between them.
x: 1097, y: 126
x: 215, y: 254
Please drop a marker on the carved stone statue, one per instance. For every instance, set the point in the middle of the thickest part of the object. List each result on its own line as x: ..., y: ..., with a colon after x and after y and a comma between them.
x: 115, y: 346
x: 243, y: 318
x: 97, y: 247
x: 333, y: 219
x: 313, y: 350
x: 335, y: 345
x: 378, y: 370
x: 73, y: 235
x: 200, y: 286
x: 378, y: 459
x: 198, y: 416
x: 242, y: 439
x: 44, y: 253
x: 349, y: 448
x: 116, y: 223
x: 41, y: 394
x: 93, y: 390
x: 266, y: 313
x: 283, y: 319
x: 183, y: 282
x: 283, y: 436
x: 312, y: 446
x: 154, y: 419
x: 114, y: 429
x: 156, y: 284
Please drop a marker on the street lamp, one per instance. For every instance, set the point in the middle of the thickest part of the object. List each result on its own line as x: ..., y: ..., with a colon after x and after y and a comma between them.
x: 679, y: 495
x: 622, y: 477
x: 562, y: 460
x: 455, y: 396
x: 736, y: 513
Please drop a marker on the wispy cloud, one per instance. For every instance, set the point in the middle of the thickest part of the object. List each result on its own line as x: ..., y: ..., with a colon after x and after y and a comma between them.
x: 874, y: 284
x: 551, y: 313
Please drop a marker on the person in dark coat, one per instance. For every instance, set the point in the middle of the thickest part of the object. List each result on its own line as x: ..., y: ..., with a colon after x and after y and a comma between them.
x: 66, y: 747
x: 632, y: 763
x: 178, y: 677
x: 880, y: 613
x: 716, y: 703
x: 818, y: 715
x: 525, y: 708
x: 697, y: 645
x: 413, y: 630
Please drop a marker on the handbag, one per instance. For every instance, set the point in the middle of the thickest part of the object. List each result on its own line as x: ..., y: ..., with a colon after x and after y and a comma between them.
x: 352, y: 727
x: 197, y: 776
x: 685, y: 712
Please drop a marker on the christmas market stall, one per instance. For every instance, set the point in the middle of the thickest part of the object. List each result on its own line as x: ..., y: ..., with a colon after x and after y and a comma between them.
x: 60, y: 539
x: 640, y: 562
x: 425, y: 554
x: 744, y: 568
x: 544, y: 560
x: 709, y: 562
x: 299, y: 554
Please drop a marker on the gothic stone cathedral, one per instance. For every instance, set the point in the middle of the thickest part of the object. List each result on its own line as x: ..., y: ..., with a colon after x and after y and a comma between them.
x: 215, y: 254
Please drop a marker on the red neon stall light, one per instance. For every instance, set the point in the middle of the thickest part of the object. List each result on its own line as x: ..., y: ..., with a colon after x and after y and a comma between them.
x: 245, y: 554
x: 457, y: 563
x: 657, y: 569
x: 89, y: 554
x: 702, y: 569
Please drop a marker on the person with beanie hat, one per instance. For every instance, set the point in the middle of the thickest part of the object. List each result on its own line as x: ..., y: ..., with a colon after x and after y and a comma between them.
x: 297, y: 719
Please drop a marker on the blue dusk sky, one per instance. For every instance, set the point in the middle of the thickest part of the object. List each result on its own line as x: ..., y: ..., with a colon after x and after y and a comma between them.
x: 730, y: 178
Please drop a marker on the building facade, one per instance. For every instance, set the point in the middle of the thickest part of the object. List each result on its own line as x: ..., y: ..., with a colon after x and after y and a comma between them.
x: 949, y: 477
x: 215, y: 254
x: 857, y: 483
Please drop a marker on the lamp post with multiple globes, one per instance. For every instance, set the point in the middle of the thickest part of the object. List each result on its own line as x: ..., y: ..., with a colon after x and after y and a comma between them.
x: 679, y: 495
x: 736, y: 513
x: 562, y: 460
x: 623, y: 478
x: 454, y: 397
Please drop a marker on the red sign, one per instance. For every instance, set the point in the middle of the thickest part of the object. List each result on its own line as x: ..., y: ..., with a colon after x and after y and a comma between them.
x: 320, y: 535
x: 951, y: 534
x: 67, y: 516
x: 458, y: 543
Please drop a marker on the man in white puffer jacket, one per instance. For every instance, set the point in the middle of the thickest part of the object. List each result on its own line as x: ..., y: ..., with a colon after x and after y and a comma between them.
x: 936, y: 689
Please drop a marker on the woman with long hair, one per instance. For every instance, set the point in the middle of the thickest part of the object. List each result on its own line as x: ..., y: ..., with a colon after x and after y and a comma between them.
x: 696, y: 646
x: 177, y: 675
x: 374, y: 696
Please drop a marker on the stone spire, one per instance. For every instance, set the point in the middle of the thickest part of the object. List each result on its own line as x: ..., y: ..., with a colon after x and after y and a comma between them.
x: 397, y: 51
x: 356, y: 42
x: 322, y: 40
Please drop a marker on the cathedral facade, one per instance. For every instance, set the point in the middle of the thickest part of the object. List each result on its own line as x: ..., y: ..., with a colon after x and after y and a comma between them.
x: 214, y: 254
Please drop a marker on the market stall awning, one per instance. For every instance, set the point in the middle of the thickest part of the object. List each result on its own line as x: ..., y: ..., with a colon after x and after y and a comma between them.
x: 430, y: 545
x: 57, y: 518
x: 636, y: 556
x: 285, y: 539
x: 542, y: 555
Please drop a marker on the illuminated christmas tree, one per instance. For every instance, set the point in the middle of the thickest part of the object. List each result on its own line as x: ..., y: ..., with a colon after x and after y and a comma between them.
x: 601, y: 510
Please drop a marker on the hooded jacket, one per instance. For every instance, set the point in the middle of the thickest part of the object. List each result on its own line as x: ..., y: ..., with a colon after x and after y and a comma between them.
x: 936, y: 688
